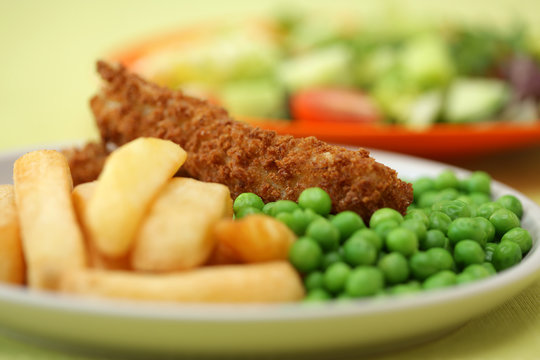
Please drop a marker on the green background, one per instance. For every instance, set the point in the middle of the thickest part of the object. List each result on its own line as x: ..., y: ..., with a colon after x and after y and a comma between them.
x: 47, y: 75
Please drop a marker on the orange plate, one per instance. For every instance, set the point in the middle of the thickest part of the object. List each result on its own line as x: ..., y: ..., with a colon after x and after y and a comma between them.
x: 438, y: 141
x: 441, y: 141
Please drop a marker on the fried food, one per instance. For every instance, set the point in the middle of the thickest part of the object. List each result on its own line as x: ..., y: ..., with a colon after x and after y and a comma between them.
x: 81, y: 197
x: 260, y: 283
x: 255, y: 238
x: 131, y: 178
x: 52, y: 239
x: 245, y: 158
x: 86, y: 162
x: 12, y: 266
x: 176, y: 233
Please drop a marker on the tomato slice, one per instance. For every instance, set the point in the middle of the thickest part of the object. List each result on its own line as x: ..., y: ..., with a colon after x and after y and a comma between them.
x: 333, y: 104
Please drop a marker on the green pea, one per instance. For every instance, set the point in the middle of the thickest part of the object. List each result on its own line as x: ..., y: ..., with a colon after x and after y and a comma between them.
x: 371, y: 236
x: 381, y: 254
x: 245, y: 200
x: 478, y: 181
x: 511, y: 203
x: 440, y: 280
x: 467, y: 252
x: 347, y: 222
x: 311, y: 215
x: 402, y: 240
x: 394, y: 267
x: 453, y: 208
x: 427, y: 199
x: 422, y: 265
x: 434, y: 238
x: 477, y: 271
x: 417, y: 214
x: 442, y: 258
x: 305, y: 255
x: 364, y: 281
x: 267, y: 208
x: 382, y: 229
x: 506, y: 255
x: 384, y: 214
x: 479, y: 198
x: 330, y: 258
x: 359, y: 251
x: 283, y: 206
x: 446, y: 179
x: 315, y: 199
x: 466, y: 199
x: 448, y: 194
x: 405, y: 289
x: 465, y: 278
x: 487, y: 226
x: 326, y: 234
x: 343, y: 297
x: 422, y: 185
x: 487, y: 209
x: 297, y: 221
x: 466, y: 228
x: 504, y: 220
x: 336, y: 276
x: 417, y: 227
x: 314, y: 280
x: 489, y: 267
x: 489, y: 250
x: 521, y: 237
x: 439, y: 221
x: 317, y: 295
x: 243, y: 212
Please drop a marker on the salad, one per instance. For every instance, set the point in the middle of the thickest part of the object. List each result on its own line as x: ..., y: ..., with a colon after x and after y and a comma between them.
x: 306, y: 67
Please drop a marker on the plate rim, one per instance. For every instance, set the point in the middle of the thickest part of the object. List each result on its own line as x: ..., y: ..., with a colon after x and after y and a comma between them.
x: 528, y: 269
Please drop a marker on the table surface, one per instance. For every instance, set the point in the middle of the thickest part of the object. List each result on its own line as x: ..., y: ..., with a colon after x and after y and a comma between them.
x: 47, y: 75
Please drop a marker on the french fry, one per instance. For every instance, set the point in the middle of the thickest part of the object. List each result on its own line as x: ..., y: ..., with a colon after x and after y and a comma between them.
x: 255, y: 238
x: 81, y: 197
x: 176, y: 234
x: 12, y: 266
x: 52, y: 240
x: 132, y: 176
x: 260, y: 283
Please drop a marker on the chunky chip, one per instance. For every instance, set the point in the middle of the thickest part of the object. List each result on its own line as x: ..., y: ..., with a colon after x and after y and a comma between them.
x: 52, y: 240
x: 81, y: 197
x: 132, y: 177
x: 12, y: 266
x: 246, y: 283
x: 177, y: 231
x: 255, y: 238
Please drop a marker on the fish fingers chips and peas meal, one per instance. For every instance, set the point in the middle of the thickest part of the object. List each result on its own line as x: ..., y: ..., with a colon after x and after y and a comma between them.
x: 139, y: 232
x: 312, y: 67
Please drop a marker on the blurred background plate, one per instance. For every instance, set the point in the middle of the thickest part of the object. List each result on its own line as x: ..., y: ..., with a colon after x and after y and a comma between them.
x: 440, y: 141
x: 478, y: 105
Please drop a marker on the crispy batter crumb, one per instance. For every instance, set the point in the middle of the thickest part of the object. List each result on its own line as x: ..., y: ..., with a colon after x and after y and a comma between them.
x: 245, y: 158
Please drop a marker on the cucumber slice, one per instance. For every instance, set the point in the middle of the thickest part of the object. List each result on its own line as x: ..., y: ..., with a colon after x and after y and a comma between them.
x: 425, y: 110
x: 257, y: 98
x: 329, y: 66
x: 426, y: 62
x: 471, y: 100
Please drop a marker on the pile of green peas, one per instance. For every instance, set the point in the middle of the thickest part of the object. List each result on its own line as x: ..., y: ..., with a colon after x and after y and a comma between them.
x: 453, y: 233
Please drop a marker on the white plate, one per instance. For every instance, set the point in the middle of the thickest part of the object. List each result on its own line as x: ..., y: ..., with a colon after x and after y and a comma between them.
x: 152, y: 329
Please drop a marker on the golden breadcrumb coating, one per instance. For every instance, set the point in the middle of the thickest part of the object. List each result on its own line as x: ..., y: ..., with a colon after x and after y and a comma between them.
x: 245, y: 158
